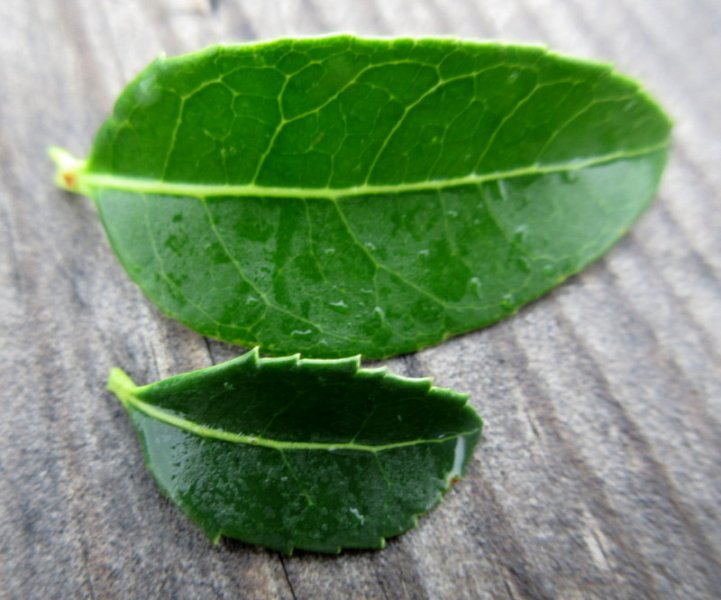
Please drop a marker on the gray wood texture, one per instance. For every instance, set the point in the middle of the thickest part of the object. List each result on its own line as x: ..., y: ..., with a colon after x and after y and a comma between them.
x: 599, y: 475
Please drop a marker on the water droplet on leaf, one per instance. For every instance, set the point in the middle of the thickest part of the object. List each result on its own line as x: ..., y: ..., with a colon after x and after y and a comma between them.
x: 476, y: 286
x: 339, y: 306
x: 548, y: 270
x: 508, y: 303
x: 301, y: 333
x: 524, y: 264
x: 520, y: 233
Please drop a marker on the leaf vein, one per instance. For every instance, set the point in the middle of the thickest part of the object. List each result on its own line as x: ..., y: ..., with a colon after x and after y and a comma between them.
x: 132, y: 401
x: 88, y: 181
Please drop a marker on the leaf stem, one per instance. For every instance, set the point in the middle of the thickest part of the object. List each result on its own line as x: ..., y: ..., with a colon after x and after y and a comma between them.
x: 120, y: 384
x: 68, y: 171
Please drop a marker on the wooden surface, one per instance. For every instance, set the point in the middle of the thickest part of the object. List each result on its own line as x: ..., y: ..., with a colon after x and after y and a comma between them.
x: 599, y: 475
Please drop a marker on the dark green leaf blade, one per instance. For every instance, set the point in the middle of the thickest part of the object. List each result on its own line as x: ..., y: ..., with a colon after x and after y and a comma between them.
x: 339, y: 196
x: 299, y: 453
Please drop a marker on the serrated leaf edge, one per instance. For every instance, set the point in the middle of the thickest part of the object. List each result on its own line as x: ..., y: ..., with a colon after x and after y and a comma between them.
x: 128, y: 393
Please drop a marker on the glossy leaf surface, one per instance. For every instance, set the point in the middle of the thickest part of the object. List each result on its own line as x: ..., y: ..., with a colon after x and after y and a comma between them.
x: 311, y: 454
x: 339, y: 196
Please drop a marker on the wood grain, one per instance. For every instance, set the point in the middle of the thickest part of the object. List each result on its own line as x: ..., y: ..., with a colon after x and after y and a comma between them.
x: 599, y: 474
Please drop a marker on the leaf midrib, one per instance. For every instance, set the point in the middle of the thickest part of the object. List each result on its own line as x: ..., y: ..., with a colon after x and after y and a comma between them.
x: 123, y: 387
x: 89, y: 181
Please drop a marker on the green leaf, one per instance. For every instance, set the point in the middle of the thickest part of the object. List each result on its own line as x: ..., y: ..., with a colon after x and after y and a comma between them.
x: 336, y: 196
x: 311, y: 454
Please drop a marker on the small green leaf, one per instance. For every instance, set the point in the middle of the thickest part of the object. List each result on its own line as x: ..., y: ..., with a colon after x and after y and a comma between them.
x: 312, y: 454
x: 336, y: 196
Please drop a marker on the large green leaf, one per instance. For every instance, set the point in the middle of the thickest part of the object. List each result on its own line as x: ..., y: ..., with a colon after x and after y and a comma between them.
x: 336, y: 196
x: 311, y: 454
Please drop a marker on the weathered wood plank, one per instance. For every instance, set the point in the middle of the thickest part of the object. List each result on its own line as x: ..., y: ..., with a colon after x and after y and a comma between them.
x: 599, y: 472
